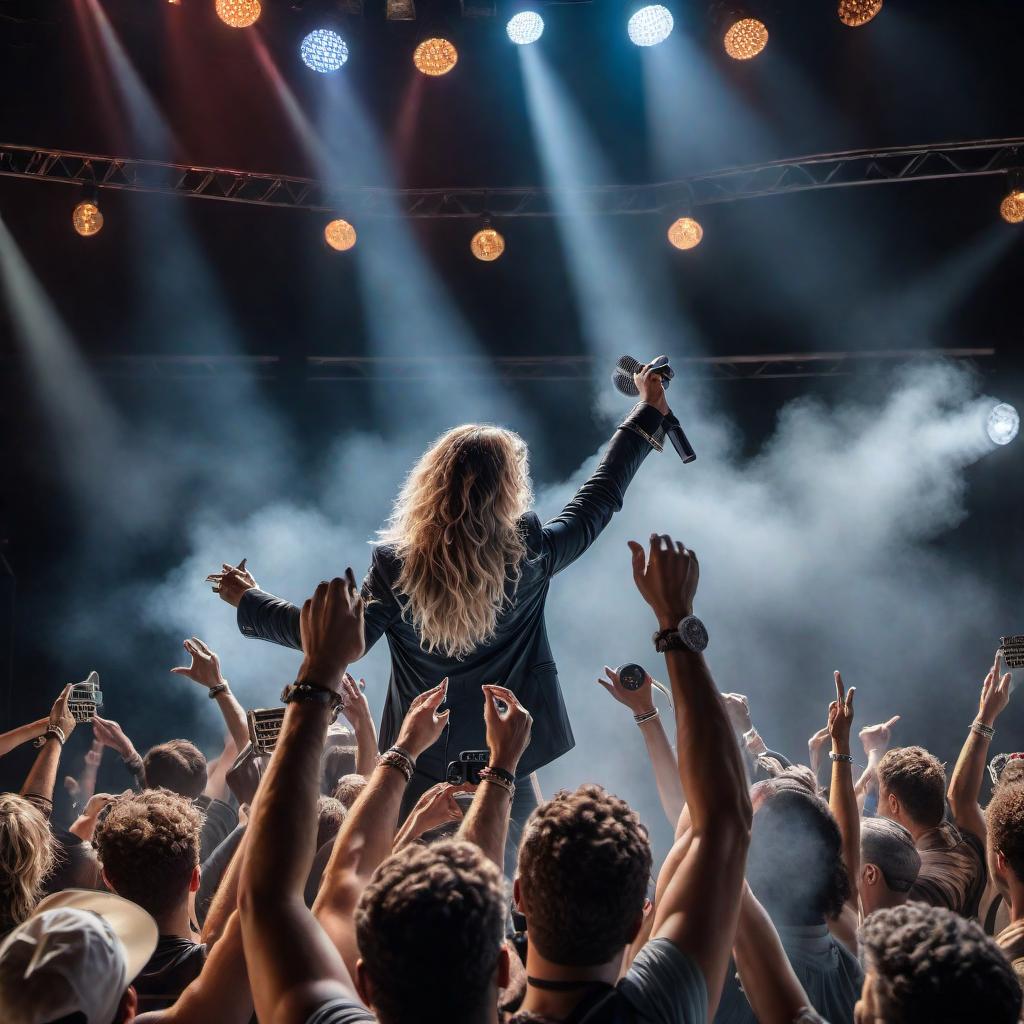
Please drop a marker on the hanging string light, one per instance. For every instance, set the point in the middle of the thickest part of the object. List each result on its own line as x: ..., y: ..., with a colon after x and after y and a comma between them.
x: 858, y: 12
x: 487, y: 245
x: 685, y: 233
x: 435, y: 57
x: 239, y: 13
x: 340, y: 235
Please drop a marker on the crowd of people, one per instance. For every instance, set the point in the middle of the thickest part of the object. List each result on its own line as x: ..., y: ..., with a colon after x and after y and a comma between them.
x: 289, y: 888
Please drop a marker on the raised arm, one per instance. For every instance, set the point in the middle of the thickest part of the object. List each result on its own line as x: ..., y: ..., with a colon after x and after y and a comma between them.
x: 842, y: 798
x: 580, y: 523
x: 22, y: 734
x: 508, y: 736
x: 357, y: 713
x: 110, y: 734
x: 368, y: 832
x: 293, y: 965
x: 700, y: 903
x: 875, y: 741
x: 659, y: 750
x: 42, y: 775
x: 965, y: 785
x: 204, y: 669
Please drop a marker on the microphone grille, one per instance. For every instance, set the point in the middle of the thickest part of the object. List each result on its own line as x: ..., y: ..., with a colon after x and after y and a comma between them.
x: 622, y: 378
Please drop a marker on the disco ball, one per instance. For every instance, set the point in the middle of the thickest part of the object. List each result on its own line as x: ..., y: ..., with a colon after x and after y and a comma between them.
x: 858, y: 12
x: 340, y: 235
x: 1011, y: 209
x: 87, y: 218
x: 650, y: 25
x: 1003, y: 424
x: 745, y: 39
x: 685, y: 233
x: 324, y: 51
x: 239, y: 13
x: 487, y: 245
x: 525, y: 27
x: 435, y: 57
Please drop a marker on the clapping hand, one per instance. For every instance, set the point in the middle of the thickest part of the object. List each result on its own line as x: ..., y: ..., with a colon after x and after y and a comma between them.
x: 205, y: 666
x: 666, y: 577
x: 232, y: 582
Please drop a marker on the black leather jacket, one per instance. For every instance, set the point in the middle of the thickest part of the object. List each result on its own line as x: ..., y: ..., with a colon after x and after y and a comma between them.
x: 519, y: 655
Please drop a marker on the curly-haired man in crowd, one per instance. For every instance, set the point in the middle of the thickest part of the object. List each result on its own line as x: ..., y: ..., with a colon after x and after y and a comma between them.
x: 1005, y: 840
x: 912, y: 791
x: 148, y: 846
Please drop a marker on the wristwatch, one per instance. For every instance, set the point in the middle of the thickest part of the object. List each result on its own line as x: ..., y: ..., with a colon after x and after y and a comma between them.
x: 691, y: 634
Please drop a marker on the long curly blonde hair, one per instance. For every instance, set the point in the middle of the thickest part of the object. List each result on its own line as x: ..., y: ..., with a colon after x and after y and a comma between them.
x: 455, y: 529
x: 26, y: 858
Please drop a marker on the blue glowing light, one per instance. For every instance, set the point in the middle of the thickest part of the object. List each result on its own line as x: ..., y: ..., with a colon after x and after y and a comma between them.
x: 650, y: 25
x: 1003, y: 424
x: 525, y: 27
x: 324, y: 51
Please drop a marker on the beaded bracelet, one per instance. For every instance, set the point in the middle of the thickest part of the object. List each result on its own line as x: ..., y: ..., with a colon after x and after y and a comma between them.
x: 982, y: 729
x: 490, y: 775
x: 399, y: 761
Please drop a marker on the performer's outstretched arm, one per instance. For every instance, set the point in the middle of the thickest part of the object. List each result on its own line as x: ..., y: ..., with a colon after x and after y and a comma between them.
x: 580, y: 523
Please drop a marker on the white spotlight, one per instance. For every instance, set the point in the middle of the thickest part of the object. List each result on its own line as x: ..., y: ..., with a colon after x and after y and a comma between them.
x: 1003, y: 424
x: 650, y: 25
x: 525, y: 27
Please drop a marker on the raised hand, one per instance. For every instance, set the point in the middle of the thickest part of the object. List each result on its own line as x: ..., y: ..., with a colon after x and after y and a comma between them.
x: 738, y: 710
x: 232, y: 582
x: 840, y: 717
x: 205, y: 666
x: 640, y: 702
x: 875, y: 738
x: 995, y: 694
x: 423, y: 723
x: 436, y: 807
x: 356, y: 708
x: 60, y: 717
x: 331, y: 625
x: 110, y: 734
x: 94, y: 755
x: 666, y: 577
x: 508, y: 730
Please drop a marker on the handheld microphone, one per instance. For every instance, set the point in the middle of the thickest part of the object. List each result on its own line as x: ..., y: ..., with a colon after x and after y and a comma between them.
x: 622, y: 378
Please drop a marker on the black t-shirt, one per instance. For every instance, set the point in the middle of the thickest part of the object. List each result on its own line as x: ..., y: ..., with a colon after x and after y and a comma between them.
x: 219, y: 823
x: 174, y: 965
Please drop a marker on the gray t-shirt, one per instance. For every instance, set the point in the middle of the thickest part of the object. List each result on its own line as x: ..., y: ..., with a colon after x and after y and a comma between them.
x: 664, y: 986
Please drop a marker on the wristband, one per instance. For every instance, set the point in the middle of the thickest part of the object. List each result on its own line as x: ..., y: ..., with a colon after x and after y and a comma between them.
x: 310, y: 693
x: 401, y: 762
x: 491, y: 775
x: 56, y: 732
x: 843, y: 758
x: 647, y: 716
x: 215, y: 691
x: 500, y: 773
x: 405, y: 753
x: 982, y: 729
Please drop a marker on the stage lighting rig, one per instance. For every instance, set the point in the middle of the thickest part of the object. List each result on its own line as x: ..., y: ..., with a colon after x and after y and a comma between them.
x: 650, y: 24
x: 487, y: 244
x: 1003, y: 424
x: 525, y: 27
x: 323, y: 50
x: 87, y: 218
x: 858, y: 12
x: 743, y: 34
x: 340, y: 235
x: 1011, y: 209
x: 401, y: 10
x: 685, y: 233
x: 435, y: 57
x: 238, y: 13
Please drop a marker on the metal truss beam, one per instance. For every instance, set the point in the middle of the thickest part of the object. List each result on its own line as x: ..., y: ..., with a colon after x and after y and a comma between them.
x: 333, y: 369
x: 804, y: 174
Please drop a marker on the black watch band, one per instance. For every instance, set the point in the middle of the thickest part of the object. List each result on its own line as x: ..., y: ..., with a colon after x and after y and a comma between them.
x: 310, y: 693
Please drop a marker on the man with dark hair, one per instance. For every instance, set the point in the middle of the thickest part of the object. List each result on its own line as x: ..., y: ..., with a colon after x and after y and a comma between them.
x: 1005, y: 820
x: 889, y: 864
x: 911, y: 791
x: 148, y: 846
x: 928, y: 965
x: 448, y: 895
x: 795, y: 869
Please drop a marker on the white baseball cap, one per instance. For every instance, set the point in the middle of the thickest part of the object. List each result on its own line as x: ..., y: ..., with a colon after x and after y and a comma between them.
x: 77, y: 953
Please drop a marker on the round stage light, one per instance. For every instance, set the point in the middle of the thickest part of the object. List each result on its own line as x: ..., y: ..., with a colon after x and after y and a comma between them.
x: 87, y: 218
x: 650, y: 25
x: 435, y: 57
x: 1003, y: 424
x: 487, y: 245
x: 324, y: 50
x: 745, y: 38
x: 340, y: 235
x: 685, y: 233
x: 858, y: 12
x: 1011, y: 209
x: 525, y: 27
x: 239, y: 13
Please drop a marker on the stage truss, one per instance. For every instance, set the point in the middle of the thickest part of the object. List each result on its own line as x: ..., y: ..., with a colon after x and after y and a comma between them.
x: 804, y: 174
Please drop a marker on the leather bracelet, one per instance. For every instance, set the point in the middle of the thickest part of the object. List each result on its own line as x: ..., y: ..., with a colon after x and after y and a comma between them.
x: 668, y: 640
x: 843, y: 758
x: 56, y: 732
x: 309, y: 693
x: 647, y: 716
x: 400, y: 762
x: 215, y: 691
x: 490, y: 775
x: 501, y: 774
x: 405, y: 753
x: 982, y: 729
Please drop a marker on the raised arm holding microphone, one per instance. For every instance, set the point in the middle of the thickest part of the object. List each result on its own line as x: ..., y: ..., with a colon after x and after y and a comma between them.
x: 459, y: 583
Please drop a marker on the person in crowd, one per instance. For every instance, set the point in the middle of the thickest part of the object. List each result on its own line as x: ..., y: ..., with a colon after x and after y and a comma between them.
x: 459, y: 584
x: 912, y: 791
x: 1005, y: 852
x: 347, y: 791
x: 968, y: 777
x: 74, y: 959
x: 889, y: 863
x: 148, y: 848
x: 26, y: 858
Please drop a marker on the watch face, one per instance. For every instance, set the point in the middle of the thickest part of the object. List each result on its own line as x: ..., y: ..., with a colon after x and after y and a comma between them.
x: 693, y: 633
